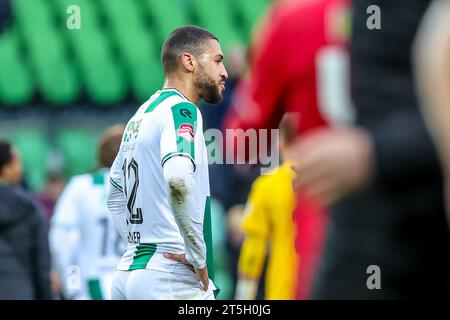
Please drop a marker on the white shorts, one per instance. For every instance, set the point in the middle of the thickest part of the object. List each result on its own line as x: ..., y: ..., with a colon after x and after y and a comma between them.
x: 148, y: 284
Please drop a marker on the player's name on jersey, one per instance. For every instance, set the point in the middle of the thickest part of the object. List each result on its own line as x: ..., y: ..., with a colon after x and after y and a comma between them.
x: 134, y: 237
x: 129, y: 147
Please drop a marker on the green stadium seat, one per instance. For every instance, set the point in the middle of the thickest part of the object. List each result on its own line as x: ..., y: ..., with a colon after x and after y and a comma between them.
x: 33, y: 149
x: 167, y: 15
x: 251, y: 11
x: 78, y: 148
x: 123, y: 14
x: 136, y: 47
x: 137, y: 51
x: 88, y: 11
x: 104, y: 77
x: 16, y: 85
x: 217, y: 17
x: 147, y: 79
x: 55, y: 76
x: 32, y: 15
x: 100, y: 71
x: 100, y: 74
x: 107, y: 59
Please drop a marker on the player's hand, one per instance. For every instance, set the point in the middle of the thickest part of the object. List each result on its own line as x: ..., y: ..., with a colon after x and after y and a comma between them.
x: 177, y: 257
x: 333, y: 162
x: 202, y: 274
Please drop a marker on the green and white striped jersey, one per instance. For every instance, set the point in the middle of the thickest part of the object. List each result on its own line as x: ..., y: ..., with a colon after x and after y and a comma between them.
x: 165, y: 126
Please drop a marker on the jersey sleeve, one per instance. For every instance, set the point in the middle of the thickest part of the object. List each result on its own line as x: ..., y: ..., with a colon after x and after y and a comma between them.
x: 116, y: 201
x: 256, y: 227
x: 252, y: 257
x: 116, y: 173
x: 178, y: 131
x: 256, y: 220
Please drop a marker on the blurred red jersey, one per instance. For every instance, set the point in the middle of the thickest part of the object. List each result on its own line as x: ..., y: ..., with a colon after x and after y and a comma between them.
x: 300, y: 66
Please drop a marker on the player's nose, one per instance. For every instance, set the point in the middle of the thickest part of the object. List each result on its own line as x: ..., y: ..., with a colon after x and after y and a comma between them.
x: 224, y: 74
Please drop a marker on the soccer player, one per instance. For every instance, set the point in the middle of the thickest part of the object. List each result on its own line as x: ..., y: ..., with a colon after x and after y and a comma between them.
x: 84, y: 242
x: 160, y: 187
x: 269, y: 217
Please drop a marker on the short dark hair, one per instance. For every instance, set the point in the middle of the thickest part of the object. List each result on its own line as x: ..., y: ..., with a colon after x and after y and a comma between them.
x: 109, y: 145
x: 183, y: 39
x: 5, y: 153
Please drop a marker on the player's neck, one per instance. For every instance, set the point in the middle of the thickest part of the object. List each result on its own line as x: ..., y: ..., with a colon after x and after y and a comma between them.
x: 184, y: 87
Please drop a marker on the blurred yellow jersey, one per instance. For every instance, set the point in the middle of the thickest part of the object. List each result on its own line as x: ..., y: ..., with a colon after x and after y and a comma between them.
x: 269, y: 219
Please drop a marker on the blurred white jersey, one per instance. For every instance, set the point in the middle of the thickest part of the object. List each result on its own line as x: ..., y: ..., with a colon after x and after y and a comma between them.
x: 84, y: 242
x: 165, y: 126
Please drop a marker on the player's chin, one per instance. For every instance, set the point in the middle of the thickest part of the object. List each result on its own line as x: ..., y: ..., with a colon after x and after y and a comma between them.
x: 219, y: 99
x: 216, y: 98
x: 220, y: 91
x: 215, y: 101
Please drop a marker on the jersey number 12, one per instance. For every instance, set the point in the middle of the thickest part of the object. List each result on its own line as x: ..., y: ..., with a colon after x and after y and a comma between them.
x: 135, y: 214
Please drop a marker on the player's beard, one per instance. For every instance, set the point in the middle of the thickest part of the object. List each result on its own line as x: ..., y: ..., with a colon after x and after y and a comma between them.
x: 207, y: 87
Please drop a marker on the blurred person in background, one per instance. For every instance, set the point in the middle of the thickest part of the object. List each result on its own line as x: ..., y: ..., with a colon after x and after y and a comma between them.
x: 85, y: 245
x: 299, y: 64
x: 47, y: 201
x: 24, y: 251
x: 382, y: 176
x: 432, y: 60
x: 47, y: 198
x: 269, y: 218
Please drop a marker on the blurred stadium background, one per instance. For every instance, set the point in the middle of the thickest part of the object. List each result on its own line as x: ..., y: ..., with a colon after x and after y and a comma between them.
x: 60, y: 87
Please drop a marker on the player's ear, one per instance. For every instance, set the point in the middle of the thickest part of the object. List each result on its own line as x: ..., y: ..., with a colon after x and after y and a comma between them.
x: 188, y: 61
